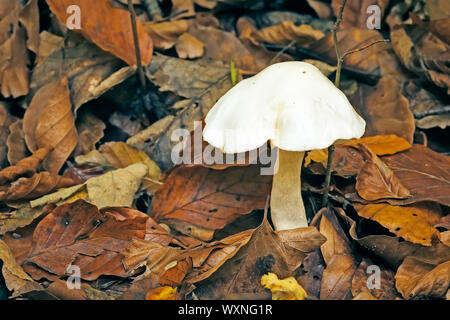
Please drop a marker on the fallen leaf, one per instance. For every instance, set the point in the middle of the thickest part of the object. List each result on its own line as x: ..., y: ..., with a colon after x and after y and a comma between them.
x: 286, y: 32
x: 189, y: 47
x: 377, y: 181
x: 90, y: 130
x: 116, y: 188
x: 5, y: 121
x: 382, y: 145
x: 210, y: 198
x: 239, y: 277
x: 413, y: 223
x: 375, y: 61
x: 286, y: 289
x: 90, y: 70
x: 24, y: 167
x: 31, y: 188
x: 385, y: 109
x: 49, y: 123
x: 17, y: 149
x: 337, y: 278
x: 418, y: 278
x: 15, y: 278
x: 309, y: 274
x: 364, y: 281
x: 165, y: 34
x: 107, y: 27
x: 82, y: 236
x: 355, y: 12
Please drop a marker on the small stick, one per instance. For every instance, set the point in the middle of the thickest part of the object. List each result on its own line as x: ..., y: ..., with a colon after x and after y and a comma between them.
x: 140, y: 68
x: 362, y: 48
x: 336, y: 83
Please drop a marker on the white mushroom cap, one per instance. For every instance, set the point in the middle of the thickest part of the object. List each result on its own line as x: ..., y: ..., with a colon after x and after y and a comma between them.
x: 292, y: 104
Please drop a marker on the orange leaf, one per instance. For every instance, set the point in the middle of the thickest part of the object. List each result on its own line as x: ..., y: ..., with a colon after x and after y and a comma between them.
x: 107, y: 27
x: 413, y: 223
x: 382, y: 145
x: 162, y: 293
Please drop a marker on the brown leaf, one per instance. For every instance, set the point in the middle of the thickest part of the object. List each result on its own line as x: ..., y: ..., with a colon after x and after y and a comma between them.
x: 31, y: 188
x: 309, y: 274
x: 17, y: 149
x: 376, y: 60
x: 49, y: 123
x: 355, y: 12
x: 360, y: 281
x: 413, y: 223
x: 16, y: 279
x: 337, y: 242
x: 287, y: 31
x: 24, y: 167
x: 14, y: 57
x: 90, y: 131
x: 377, y: 181
x: 418, y: 278
x: 165, y: 34
x: 385, y: 109
x: 189, y: 47
x: 337, y: 278
x: 240, y: 276
x: 5, y: 121
x: 76, y: 239
x: 423, y: 172
x: 107, y: 27
x: 209, y: 198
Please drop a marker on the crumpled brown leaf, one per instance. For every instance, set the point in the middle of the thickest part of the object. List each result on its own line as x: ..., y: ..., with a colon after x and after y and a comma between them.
x: 25, y: 167
x: 337, y: 278
x: 17, y: 148
x: 31, y: 188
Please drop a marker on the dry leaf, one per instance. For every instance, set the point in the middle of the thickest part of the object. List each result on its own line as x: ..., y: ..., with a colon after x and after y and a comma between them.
x: 209, y: 198
x: 17, y: 149
x: 162, y: 293
x: 90, y: 131
x: 15, y: 278
x: 33, y: 187
x: 413, y: 223
x: 418, y: 278
x: 107, y: 27
x: 165, y: 34
x: 49, y: 123
x: 24, y: 167
x: 355, y: 12
x: 82, y: 236
x: 287, y: 31
x: 189, y: 47
x: 377, y: 181
x: 337, y: 278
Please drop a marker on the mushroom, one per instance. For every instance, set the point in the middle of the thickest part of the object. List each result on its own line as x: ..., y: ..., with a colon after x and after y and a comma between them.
x: 295, y: 107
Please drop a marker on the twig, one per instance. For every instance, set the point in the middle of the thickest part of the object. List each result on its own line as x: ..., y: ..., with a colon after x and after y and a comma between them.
x: 336, y: 83
x: 362, y: 48
x: 289, y: 45
x: 140, y: 68
x: 433, y: 112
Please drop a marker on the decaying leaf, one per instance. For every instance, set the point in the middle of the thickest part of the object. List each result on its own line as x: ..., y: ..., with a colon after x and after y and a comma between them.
x: 337, y: 278
x: 17, y: 149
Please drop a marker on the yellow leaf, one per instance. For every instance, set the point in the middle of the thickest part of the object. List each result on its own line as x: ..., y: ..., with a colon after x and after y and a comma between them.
x: 161, y: 293
x: 286, y: 289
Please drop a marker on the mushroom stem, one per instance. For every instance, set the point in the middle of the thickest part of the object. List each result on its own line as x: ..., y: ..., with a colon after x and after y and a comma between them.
x: 286, y: 204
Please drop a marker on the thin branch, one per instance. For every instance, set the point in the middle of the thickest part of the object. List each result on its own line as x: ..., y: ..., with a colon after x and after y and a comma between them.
x: 289, y: 45
x: 336, y: 83
x: 362, y: 48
